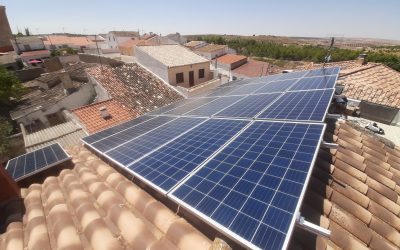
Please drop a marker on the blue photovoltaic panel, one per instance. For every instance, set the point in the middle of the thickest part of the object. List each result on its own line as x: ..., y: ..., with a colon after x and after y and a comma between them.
x: 249, y: 106
x: 214, y: 106
x: 247, y: 89
x: 253, y: 187
x: 118, y: 128
x: 135, y: 148
x: 117, y: 139
x: 28, y: 164
x: 172, y: 106
x: 323, y: 82
x: 196, y: 103
x: 300, y: 106
x: 222, y: 91
x: 277, y: 86
x: 170, y: 164
x: 323, y: 72
x: 292, y: 75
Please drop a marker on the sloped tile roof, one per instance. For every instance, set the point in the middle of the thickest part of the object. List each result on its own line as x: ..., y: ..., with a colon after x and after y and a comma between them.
x: 35, y: 53
x: 61, y: 39
x: 354, y: 191
x: 229, y: 58
x: 92, y: 206
x: 211, y: 48
x: 91, y: 118
x: 125, y: 33
x: 173, y: 55
x: 378, y: 84
x: 67, y: 134
x: 135, y: 87
x: 255, y: 68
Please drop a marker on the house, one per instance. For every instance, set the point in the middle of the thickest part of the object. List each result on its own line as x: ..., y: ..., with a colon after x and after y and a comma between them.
x: 35, y: 56
x: 27, y: 43
x: 174, y: 64
x: 115, y: 38
x: 128, y: 47
x: 67, y: 134
x: 132, y: 86
x: 8, y: 60
x: 254, y: 68
x: 212, y: 51
x: 101, y: 115
x: 177, y: 38
x: 49, y: 95
x: 5, y: 31
x: 53, y: 42
x: 230, y: 62
x: 193, y: 45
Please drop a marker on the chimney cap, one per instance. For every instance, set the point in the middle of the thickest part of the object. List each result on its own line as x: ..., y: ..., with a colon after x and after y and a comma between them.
x: 104, y: 112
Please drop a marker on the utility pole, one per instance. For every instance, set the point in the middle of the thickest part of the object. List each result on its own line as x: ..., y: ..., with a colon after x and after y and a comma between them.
x: 98, y: 53
x: 328, y: 54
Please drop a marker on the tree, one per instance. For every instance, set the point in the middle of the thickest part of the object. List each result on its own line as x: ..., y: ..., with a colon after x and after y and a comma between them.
x: 5, y: 132
x: 10, y: 87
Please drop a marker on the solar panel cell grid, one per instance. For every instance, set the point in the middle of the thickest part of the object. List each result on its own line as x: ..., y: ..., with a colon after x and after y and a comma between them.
x: 277, y: 86
x: 323, y: 72
x: 304, y: 105
x: 253, y: 186
x: 196, y: 103
x: 214, y: 106
x: 249, y: 106
x: 173, y: 162
x: 323, y: 82
x: 133, y: 149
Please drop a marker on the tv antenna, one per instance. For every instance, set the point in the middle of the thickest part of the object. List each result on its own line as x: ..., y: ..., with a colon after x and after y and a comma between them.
x: 328, y: 54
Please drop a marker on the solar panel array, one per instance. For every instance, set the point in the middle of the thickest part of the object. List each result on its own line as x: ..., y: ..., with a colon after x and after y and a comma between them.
x: 239, y: 157
x: 36, y: 161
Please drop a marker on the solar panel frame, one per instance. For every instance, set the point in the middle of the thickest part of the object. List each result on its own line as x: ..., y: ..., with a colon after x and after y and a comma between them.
x: 235, y: 237
x: 329, y: 78
x: 41, y: 169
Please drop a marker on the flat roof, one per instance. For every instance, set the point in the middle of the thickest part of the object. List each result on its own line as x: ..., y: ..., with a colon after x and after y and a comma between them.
x: 173, y: 55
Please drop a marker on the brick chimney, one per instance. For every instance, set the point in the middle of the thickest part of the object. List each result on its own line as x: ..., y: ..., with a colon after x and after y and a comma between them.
x: 362, y: 59
x: 5, y: 31
x: 8, y: 187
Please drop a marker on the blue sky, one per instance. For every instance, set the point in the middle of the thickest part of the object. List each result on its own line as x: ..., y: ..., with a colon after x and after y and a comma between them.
x: 349, y: 18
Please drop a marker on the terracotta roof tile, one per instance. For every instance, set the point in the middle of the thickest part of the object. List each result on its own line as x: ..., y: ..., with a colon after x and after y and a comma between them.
x: 134, y: 87
x: 91, y: 118
x: 229, y: 58
x: 357, y: 188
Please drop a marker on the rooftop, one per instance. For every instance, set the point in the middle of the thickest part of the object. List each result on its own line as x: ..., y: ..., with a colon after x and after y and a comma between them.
x: 91, y: 118
x: 125, y: 33
x: 194, y: 43
x: 173, y: 55
x: 62, y: 39
x: 211, y: 48
x: 67, y: 134
x: 254, y: 68
x: 92, y: 206
x: 135, y: 42
x: 354, y: 191
x: 35, y: 53
x: 135, y: 87
x: 229, y: 58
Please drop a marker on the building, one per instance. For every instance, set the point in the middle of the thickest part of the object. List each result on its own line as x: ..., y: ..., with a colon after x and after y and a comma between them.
x: 27, y: 43
x: 132, y: 86
x: 128, y: 47
x: 193, y: 45
x: 230, y: 62
x: 115, y: 38
x: 5, y: 31
x: 67, y: 134
x: 101, y: 115
x: 53, y: 42
x: 212, y: 51
x: 177, y: 38
x: 174, y: 64
x: 49, y: 95
x: 254, y: 68
x: 34, y: 56
x: 8, y: 60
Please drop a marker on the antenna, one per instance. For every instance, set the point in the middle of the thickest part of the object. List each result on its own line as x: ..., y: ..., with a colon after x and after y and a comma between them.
x: 328, y: 54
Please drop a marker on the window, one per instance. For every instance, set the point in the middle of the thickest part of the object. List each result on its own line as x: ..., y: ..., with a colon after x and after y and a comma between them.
x: 179, y: 77
x: 201, y: 73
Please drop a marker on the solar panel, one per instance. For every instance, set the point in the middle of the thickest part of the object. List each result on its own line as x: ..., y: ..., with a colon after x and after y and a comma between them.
x: 292, y: 75
x: 303, y: 105
x: 170, y: 164
x: 118, y: 138
x: 134, y: 148
x: 36, y: 161
x: 323, y: 82
x: 323, y: 72
x: 196, y: 103
x: 252, y: 189
x: 118, y: 128
x: 248, y: 107
x: 247, y: 89
x: 214, y: 106
x: 277, y: 86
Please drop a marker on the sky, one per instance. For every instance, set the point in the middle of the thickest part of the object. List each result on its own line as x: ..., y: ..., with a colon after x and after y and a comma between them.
x: 308, y: 18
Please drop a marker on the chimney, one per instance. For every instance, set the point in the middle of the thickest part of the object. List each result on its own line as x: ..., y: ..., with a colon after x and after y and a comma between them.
x: 66, y: 82
x: 9, y: 188
x: 5, y: 31
x: 362, y: 59
x: 104, y: 113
